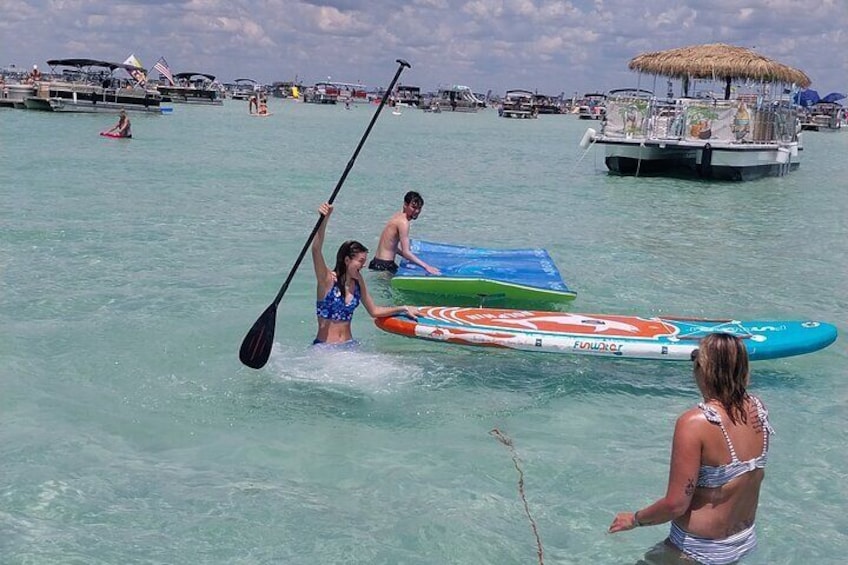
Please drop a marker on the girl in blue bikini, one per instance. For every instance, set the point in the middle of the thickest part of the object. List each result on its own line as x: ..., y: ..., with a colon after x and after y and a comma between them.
x: 718, y: 460
x: 342, y: 289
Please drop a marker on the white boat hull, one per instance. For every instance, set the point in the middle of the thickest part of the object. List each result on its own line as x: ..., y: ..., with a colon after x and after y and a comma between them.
x: 706, y: 160
x: 64, y: 105
x: 739, y: 139
x: 90, y: 99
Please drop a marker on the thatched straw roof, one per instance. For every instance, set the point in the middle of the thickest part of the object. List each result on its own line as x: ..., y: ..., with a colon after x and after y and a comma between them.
x: 717, y: 61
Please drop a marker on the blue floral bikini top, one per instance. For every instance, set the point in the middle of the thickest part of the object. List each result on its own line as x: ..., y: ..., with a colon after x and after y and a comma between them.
x: 334, y: 308
x: 715, y: 476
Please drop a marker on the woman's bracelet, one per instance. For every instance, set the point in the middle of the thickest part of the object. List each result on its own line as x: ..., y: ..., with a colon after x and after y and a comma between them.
x: 636, y: 520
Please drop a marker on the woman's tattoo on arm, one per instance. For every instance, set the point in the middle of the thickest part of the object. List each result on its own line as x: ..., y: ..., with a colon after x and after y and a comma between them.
x: 690, y: 487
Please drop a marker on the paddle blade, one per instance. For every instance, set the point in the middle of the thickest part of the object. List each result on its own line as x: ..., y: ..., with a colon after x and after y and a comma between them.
x: 257, y: 344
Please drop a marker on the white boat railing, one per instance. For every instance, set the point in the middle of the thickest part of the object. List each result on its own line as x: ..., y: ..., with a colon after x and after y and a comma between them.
x: 743, y: 120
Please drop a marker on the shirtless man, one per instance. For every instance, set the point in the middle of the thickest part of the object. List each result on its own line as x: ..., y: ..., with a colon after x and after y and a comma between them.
x: 395, y: 238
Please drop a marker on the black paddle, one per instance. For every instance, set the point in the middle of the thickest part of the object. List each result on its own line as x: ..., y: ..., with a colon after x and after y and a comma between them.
x: 256, y: 347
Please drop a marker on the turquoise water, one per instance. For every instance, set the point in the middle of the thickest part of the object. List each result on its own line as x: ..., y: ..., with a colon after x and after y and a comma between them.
x: 131, y: 271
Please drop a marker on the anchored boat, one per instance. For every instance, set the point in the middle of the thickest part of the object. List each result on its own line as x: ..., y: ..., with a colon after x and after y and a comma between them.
x: 89, y: 85
x: 746, y: 136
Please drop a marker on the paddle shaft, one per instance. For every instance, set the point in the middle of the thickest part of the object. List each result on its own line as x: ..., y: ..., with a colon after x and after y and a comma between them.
x: 339, y: 184
x: 256, y: 346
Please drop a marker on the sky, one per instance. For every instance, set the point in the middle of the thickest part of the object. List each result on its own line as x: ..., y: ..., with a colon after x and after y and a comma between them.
x: 550, y: 47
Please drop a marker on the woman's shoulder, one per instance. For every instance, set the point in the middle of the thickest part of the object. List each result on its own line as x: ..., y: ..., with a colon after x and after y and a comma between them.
x: 327, y: 281
x: 693, y: 416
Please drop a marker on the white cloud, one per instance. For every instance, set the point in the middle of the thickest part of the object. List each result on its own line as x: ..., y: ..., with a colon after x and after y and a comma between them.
x: 334, y: 22
x: 574, y: 45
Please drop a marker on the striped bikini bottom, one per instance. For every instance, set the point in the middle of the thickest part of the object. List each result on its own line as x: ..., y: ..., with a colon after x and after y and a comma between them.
x: 714, y: 551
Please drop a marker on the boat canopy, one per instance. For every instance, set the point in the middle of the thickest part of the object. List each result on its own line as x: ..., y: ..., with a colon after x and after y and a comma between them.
x: 342, y: 84
x: 80, y: 63
x: 631, y: 92
x: 190, y: 75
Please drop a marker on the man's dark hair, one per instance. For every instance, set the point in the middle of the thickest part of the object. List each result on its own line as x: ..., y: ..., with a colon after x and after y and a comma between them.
x: 413, y: 198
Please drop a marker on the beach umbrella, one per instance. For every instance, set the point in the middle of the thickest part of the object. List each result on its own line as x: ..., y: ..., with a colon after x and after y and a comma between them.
x: 717, y: 61
x: 806, y: 98
x: 833, y: 97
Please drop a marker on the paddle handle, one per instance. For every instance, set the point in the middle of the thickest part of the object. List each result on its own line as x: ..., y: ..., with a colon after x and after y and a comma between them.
x: 401, y: 66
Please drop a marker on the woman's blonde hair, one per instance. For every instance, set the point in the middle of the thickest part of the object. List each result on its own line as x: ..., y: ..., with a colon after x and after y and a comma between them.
x: 721, y: 361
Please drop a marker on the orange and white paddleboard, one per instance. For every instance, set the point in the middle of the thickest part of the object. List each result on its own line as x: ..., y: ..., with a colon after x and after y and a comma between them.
x: 601, y: 334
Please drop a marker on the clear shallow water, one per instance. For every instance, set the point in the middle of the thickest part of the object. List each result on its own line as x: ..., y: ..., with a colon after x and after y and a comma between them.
x: 132, y: 269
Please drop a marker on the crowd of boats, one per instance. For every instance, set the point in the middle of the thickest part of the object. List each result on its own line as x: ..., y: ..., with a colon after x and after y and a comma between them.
x: 755, y: 132
x: 89, y: 85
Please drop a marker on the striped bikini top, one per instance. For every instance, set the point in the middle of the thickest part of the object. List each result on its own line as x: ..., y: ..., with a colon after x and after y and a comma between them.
x: 715, y: 476
x: 334, y: 308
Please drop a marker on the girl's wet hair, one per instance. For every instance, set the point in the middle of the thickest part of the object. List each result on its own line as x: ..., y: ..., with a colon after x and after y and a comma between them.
x: 347, y: 250
x: 721, y: 360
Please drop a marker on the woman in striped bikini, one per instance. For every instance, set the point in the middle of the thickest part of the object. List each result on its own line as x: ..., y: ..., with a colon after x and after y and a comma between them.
x: 342, y: 289
x: 718, y: 458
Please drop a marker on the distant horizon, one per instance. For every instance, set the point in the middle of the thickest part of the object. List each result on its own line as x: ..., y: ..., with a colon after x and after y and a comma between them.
x: 544, y: 46
x: 660, y: 90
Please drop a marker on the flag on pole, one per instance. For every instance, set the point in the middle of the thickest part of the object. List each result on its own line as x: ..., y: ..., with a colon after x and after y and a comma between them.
x: 138, y: 73
x: 164, y: 70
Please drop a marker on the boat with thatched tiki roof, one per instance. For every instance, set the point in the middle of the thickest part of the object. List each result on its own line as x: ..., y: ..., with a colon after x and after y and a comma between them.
x: 752, y: 132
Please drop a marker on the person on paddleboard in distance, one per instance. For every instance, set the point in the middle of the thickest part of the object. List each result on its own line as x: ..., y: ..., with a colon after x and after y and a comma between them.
x: 395, y: 238
x: 341, y: 289
x: 718, y: 457
x: 122, y: 128
x: 263, y: 106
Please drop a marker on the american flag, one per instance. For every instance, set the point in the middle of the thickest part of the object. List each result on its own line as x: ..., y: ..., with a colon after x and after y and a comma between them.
x: 162, y: 66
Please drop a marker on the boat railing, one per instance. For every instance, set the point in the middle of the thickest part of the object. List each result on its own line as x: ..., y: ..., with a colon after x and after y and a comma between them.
x: 742, y: 120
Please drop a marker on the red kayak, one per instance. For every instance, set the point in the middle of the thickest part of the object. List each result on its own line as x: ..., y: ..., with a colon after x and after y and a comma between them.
x: 114, y: 135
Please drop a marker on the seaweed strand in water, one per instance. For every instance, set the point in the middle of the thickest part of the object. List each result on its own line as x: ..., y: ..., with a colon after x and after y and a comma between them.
x: 507, y: 441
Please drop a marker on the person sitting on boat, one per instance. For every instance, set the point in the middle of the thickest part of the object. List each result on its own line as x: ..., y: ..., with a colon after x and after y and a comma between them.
x: 342, y: 289
x: 35, y: 75
x: 395, y: 238
x: 123, y: 127
x: 710, y: 501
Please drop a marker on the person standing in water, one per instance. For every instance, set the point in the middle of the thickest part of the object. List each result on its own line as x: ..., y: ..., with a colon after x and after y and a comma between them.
x: 718, y: 459
x: 263, y: 106
x: 395, y: 238
x: 341, y: 289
